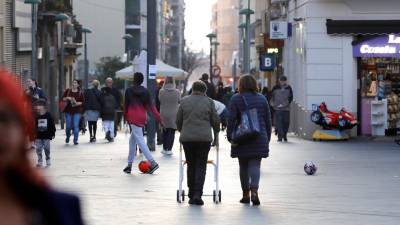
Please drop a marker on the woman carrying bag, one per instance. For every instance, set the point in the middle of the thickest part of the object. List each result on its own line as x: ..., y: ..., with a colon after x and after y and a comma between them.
x: 249, y: 132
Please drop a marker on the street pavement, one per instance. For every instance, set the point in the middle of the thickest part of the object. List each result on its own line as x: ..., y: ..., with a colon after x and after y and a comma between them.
x: 357, y: 183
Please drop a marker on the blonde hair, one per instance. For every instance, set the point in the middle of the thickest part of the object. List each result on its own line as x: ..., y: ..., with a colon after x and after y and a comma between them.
x: 95, y: 83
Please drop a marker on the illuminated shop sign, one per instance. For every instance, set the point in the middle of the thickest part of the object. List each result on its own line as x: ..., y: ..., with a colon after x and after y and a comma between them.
x: 382, y: 46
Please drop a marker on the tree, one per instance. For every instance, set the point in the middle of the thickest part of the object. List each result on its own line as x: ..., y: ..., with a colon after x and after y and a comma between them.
x: 190, y: 62
x: 107, y: 67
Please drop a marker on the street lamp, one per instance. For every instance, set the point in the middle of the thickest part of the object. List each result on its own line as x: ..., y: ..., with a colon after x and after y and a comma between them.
x: 34, y: 4
x: 211, y: 36
x: 246, y: 53
x: 86, y: 78
x: 61, y: 17
x: 215, y: 44
x: 127, y: 37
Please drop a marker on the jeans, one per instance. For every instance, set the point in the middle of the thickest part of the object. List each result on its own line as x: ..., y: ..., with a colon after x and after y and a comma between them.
x: 72, y: 122
x: 108, y: 126
x: 168, y: 139
x: 196, y: 154
x: 282, y: 119
x: 249, y: 173
x: 42, y: 144
x: 137, y: 138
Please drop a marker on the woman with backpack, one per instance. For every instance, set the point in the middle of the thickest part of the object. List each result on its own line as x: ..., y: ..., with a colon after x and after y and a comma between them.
x: 252, y: 149
x: 93, y: 108
x: 109, y: 105
x: 74, y: 100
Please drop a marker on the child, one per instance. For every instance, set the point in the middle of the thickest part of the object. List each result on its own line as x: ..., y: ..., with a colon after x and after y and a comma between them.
x: 108, y: 108
x: 45, y: 131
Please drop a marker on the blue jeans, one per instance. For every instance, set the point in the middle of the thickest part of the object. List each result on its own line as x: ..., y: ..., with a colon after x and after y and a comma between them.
x: 72, y: 122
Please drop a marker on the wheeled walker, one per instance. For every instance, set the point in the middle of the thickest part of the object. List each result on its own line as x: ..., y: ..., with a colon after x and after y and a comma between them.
x: 180, y: 193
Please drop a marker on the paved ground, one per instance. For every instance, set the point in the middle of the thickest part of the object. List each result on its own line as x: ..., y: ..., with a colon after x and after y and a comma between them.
x: 358, y: 183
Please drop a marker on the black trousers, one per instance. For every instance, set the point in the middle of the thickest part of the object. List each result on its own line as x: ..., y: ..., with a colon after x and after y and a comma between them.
x: 249, y: 173
x: 282, y: 119
x: 196, y: 154
x: 168, y: 139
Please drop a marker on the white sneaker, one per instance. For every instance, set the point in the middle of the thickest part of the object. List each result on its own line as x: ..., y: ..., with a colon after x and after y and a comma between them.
x: 164, y: 152
x: 168, y: 152
x: 48, y: 163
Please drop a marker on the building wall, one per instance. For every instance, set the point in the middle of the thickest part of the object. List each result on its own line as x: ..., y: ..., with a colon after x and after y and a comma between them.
x: 106, y: 19
x: 321, y: 67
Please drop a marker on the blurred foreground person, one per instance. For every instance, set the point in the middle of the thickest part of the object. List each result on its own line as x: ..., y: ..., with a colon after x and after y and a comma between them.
x: 25, y: 196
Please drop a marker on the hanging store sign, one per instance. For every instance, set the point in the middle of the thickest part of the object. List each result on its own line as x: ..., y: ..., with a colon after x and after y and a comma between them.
x: 382, y: 46
x: 268, y: 62
x: 279, y: 30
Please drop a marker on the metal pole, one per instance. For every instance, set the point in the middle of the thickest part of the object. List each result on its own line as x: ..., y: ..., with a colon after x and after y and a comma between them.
x: 34, y: 45
x: 61, y: 77
x: 234, y: 70
x: 151, y: 60
x: 86, y: 64
x: 211, y: 56
x: 215, y: 54
x: 246, y: 56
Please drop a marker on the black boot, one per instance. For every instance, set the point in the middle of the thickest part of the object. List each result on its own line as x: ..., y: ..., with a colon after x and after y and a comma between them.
x: 246, y: 197
x: 254, y: 196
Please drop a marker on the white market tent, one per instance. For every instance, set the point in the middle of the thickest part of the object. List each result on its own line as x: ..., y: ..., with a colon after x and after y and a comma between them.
x: 139, y: 65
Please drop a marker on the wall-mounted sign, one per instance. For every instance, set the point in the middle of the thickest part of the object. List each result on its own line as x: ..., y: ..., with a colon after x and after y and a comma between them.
x: 268, y: 62
x: 279, y: 30
x: 382, y: 46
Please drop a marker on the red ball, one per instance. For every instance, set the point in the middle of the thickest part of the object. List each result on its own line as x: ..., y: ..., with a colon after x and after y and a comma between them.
x: 144, y: 166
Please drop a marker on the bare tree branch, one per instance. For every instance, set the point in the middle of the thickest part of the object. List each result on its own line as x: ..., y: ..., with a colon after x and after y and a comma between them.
x: 191, y: 61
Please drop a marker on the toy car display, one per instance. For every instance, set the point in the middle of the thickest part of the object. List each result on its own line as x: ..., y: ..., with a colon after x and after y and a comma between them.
x: 342, y: 120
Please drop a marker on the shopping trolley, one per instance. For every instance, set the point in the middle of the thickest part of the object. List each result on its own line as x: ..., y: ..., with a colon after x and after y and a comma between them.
x: 180, y: 193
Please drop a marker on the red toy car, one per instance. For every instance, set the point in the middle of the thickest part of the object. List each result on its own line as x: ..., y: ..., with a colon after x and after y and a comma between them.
x: 342, y: 120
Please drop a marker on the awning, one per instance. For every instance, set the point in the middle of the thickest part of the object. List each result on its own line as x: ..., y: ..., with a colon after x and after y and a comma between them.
x: 362, y: 27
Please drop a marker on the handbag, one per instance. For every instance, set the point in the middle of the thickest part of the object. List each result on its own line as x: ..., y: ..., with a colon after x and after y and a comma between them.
x: 62, y: 105
x: 248, y: 128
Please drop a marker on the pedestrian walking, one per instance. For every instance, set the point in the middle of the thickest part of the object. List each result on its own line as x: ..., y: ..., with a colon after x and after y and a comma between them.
x: 74, y: 99
x: 118, y: 97
x: 195, y: 119
x: 34, y: 91
x: 281, y: 98
x: 92, y: 108
x: 159, y: 127
x: 25, y: 195
x: 223, y: 113
x: 109, y: 106
x: 137, y: 103
x: 251, y: 151
x: 220, y: 92
x: 45, y: 132
x: 169, y: 98
x: 228, y: 93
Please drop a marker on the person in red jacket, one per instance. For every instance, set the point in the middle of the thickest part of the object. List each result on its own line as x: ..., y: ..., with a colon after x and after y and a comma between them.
x: 137, y: 103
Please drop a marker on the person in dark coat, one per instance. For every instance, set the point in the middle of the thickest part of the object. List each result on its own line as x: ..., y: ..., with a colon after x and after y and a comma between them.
x: 34, y: 92
x: 220, y: 92
x: 92, y: 108
x: 250, y: 153
x: 25, y: 195
x: 109, y: 105
x: 118, y: 97
x: 158, y: 105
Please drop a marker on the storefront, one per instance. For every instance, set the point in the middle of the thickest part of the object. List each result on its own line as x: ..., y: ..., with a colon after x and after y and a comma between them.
x: 378, y: 60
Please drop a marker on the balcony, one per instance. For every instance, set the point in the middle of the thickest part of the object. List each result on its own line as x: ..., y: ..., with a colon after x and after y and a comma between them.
x: 132, y: 20
x: 64, y: 6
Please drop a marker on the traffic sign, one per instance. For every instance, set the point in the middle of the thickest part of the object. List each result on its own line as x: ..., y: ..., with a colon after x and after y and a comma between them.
x: 216, y: 70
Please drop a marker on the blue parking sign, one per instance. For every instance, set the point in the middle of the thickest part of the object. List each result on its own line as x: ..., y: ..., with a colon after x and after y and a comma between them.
x: 268, y: 62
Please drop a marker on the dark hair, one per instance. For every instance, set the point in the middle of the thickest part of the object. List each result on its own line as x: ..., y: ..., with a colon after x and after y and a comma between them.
x: 199, y: 86
x: 283, y: 78
x: 204, y: 77
x: 78, y: 81
x: 248, y: 83
x: 40, y: 102
x: 138, y: 78
x: 35, y: 81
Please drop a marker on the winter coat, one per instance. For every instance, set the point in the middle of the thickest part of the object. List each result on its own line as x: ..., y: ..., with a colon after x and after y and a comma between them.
x: 137, y: 103
x: 36, y: 93
x: 79, y: 97
x: 108, y: 105
x: 169, y: 98
x: 93, y: 99
x: 211, y: 93
x: 117, y: 95
x: 281, y: 97
x: 196, y: 117
x: 260, y: 146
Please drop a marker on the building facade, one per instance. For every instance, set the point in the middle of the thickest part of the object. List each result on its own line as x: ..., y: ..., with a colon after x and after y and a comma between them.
x: 344, y: 53
x: 15, y: 37
x: 175, y: 33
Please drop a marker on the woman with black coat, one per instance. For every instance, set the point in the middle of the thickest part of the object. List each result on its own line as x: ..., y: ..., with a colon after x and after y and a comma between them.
x: 93, y: 108
x: 252, y: 151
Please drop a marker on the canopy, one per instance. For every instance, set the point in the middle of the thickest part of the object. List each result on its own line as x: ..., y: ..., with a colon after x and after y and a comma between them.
x: 139, y: 65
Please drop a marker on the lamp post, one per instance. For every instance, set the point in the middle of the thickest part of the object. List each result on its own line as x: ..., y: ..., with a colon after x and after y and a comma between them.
x: 86, y: 31
x: 215, y: 44
x: 127, y: 37
x: 61, y: 18
x: 34, y: 4
x: 246, y: 48
x: 211, y: 36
